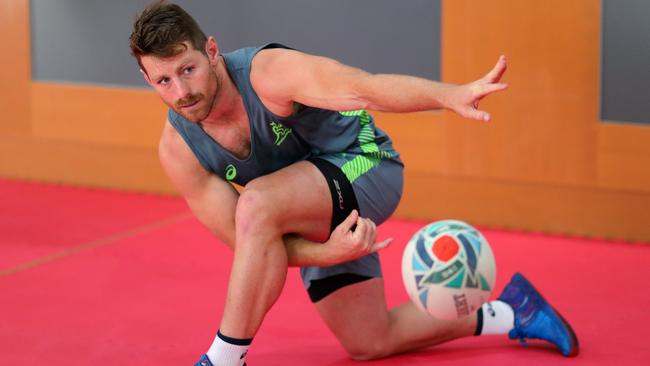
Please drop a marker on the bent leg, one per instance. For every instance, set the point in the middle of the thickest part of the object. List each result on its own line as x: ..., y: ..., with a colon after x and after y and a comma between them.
x: 358, y: 316
x: 295, y: 199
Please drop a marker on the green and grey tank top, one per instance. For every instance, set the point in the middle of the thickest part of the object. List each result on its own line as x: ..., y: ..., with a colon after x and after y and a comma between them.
x: 348, y: 139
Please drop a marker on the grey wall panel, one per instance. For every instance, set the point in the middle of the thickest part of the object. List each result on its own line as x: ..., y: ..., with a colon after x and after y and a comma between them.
x: 86, y: 41
x: 83, y: 41
x: 625, y: 69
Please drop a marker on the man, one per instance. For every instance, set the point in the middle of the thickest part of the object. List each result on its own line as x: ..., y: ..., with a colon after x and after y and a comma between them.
x: 318, y: 176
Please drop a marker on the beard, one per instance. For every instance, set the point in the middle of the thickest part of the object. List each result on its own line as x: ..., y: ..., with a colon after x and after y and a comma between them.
x: 204, y: 101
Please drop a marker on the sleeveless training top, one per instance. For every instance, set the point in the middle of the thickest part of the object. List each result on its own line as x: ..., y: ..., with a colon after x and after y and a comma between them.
x: 349, y: 139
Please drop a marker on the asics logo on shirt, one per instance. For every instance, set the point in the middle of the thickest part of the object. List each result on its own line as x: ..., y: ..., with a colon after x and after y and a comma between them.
x: 231, y: 172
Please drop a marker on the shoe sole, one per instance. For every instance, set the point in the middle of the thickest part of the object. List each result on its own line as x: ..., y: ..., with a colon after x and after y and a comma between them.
x: 575, y: 347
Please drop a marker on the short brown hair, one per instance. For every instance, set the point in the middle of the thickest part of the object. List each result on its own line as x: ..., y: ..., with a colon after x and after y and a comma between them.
x: 161, y: 30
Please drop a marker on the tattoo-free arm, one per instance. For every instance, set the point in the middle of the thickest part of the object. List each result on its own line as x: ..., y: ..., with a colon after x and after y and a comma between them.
x: 285, y: 76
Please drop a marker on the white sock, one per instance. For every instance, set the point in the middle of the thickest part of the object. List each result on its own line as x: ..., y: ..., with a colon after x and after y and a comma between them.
x: 227, y: 351
x: 497, y: 318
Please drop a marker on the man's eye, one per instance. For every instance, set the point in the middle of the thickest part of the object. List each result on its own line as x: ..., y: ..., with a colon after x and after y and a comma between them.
x: 189, y: 69
x: 163, y: 81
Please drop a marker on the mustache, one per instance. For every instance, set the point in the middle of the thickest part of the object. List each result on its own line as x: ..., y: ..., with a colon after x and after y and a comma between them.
x: 188, y: 100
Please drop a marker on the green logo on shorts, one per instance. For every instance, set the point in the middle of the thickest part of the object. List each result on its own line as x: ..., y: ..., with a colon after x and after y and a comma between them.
x: 280, y: 132
x: 231, y: 172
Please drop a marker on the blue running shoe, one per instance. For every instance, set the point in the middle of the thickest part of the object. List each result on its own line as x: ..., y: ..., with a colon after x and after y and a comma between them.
x: 536, y: 319
x: 204, y: 361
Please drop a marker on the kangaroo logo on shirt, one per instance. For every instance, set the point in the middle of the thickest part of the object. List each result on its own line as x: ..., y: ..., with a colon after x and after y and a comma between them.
x: 231, y: 172
x: 280, y: 132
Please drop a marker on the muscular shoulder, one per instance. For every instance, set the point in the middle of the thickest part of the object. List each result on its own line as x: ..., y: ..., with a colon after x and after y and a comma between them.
x: 272, y: 78
x: 281, y: 77
x: 269, y: 60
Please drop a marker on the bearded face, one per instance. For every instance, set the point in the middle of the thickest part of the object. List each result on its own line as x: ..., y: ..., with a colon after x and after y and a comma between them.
x: 185, y: 82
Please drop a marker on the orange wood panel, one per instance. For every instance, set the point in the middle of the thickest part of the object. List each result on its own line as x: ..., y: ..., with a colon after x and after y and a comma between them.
x: 595, y: 213
x: 15, y: 66
x: 544, y: 127
x: 97, y: 114
x: 415, y: 137
x: 624, y: 157
x: 82, y: 164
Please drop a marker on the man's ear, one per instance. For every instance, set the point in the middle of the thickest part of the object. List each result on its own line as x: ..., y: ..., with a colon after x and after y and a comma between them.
x: 212, y: 50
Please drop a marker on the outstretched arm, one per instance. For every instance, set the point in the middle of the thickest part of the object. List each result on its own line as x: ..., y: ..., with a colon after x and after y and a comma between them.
x: 282, y: 77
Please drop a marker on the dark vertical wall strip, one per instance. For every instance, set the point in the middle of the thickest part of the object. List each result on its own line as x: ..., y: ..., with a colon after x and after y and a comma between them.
x: 86, y: 41
x: 625, y: 69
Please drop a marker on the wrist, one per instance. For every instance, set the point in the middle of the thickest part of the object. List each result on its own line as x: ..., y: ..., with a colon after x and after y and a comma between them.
x: 449, y: 95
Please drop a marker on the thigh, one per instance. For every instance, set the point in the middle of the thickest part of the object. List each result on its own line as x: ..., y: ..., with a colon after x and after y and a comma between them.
x: 377, y: 183
x: 377, y: 192
x: 298, y: 197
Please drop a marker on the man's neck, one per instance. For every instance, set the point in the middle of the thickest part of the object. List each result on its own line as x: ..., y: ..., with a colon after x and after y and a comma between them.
x: 228, y: 104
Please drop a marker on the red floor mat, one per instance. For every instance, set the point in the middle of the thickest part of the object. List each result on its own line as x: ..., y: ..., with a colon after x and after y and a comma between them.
x: 152, y: 293
x: 37, y: 220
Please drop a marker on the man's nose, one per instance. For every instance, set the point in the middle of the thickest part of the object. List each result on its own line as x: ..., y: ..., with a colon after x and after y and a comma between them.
x: 182, y: 90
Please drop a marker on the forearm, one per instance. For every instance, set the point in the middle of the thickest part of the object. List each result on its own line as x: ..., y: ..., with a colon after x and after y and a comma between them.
x: 304, y: 253
x: 402, y: 93
x: 300, y: 252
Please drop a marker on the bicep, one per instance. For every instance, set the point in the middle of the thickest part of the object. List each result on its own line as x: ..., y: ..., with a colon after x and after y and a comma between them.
x: 212, y: 200
x: 286, y: 76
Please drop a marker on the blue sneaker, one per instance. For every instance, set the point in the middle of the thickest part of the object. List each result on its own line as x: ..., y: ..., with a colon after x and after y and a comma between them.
x: 204, y: 361
x: 535, y: 318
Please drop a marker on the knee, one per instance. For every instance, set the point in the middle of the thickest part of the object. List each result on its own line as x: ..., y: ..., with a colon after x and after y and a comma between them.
x: 256, y: 210
x: 365, y: 350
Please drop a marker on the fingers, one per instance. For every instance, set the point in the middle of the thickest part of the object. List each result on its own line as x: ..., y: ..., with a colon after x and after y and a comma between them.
x: 381, y: 245
x: 491, y: 88
x: 485, y: 91
x: 480, y: 91
x: 497, y: 72
x: 365, y: 232
x: 364, y: 228
x: 483, y: 116
x: 476, y: 114
x: 371, y: 235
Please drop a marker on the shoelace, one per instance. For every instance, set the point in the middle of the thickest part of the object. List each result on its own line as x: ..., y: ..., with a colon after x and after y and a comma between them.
x: 518, y: 334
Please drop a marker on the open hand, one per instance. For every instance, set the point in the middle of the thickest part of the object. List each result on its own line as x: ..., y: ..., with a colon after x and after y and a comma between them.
x: 464, y: 99
x: 348, y: 242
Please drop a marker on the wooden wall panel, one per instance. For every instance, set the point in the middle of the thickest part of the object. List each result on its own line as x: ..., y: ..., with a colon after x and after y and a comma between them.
x: 97, y: 114
x: 15, y: 72
x: 550, y: 209
x: 82, y: 164
x: 544, y: 127
x: 624, y: 157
